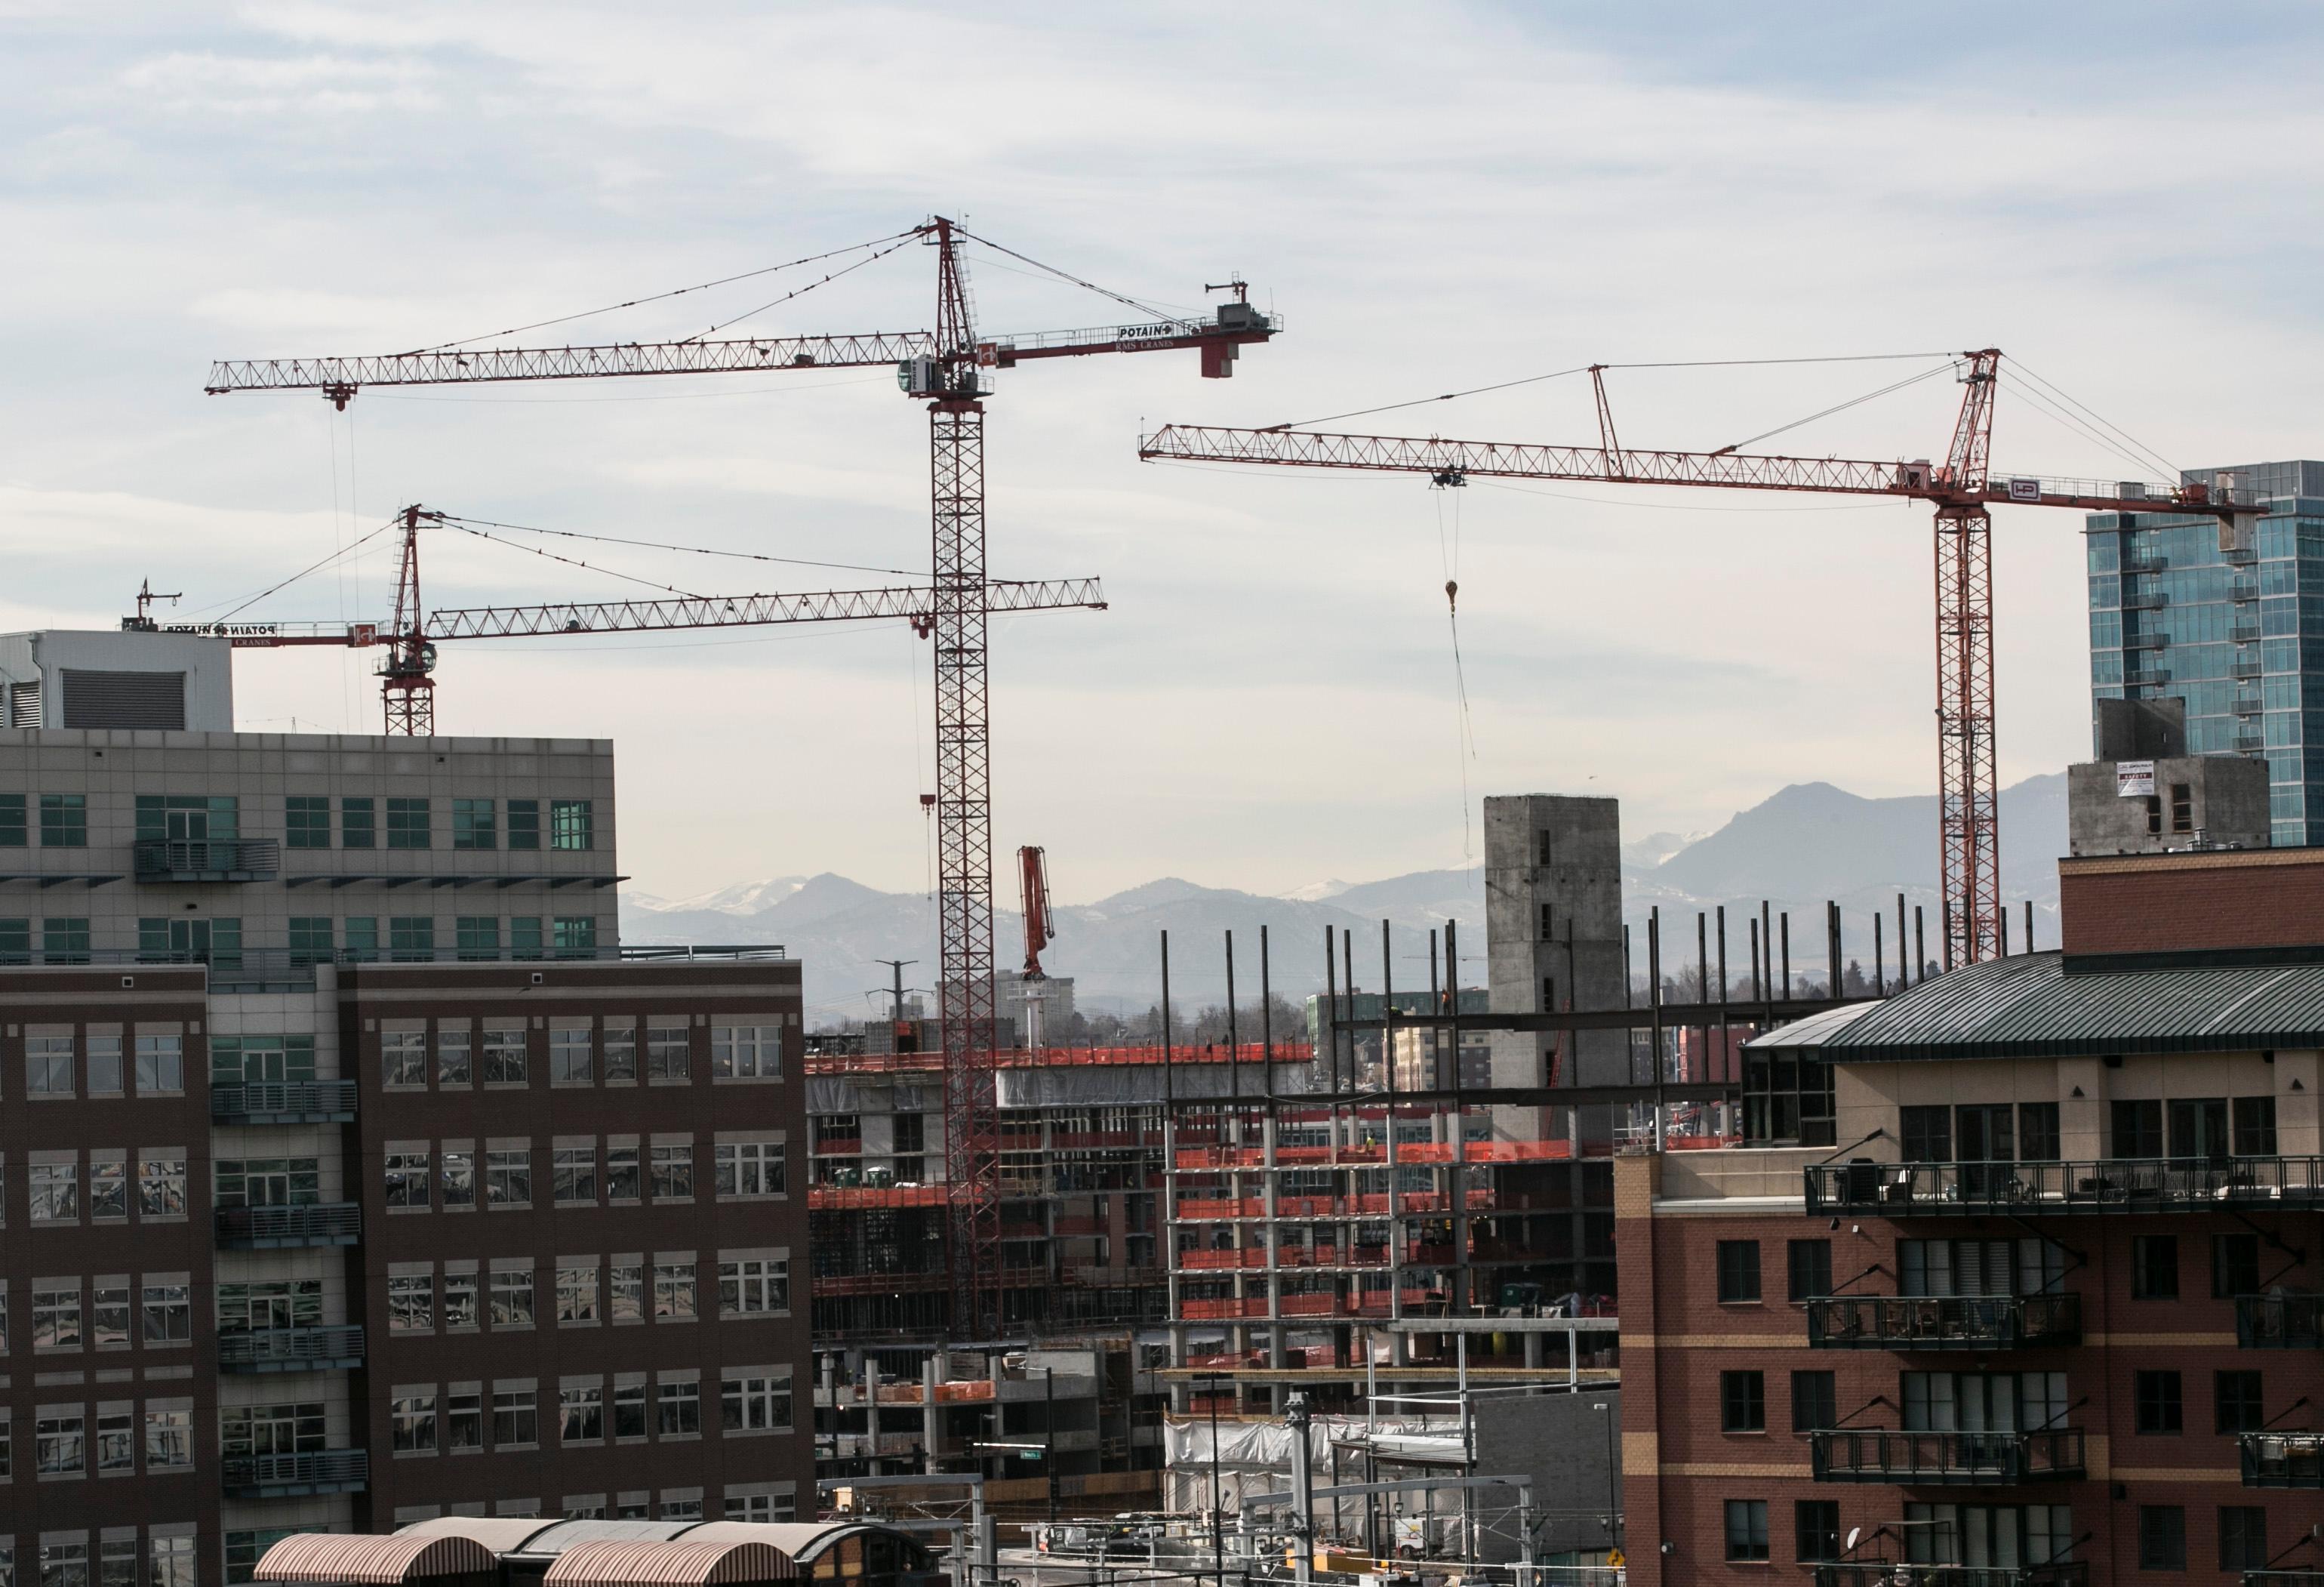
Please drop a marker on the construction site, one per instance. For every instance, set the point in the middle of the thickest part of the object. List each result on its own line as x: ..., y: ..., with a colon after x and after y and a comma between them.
x: 1343, y: 1300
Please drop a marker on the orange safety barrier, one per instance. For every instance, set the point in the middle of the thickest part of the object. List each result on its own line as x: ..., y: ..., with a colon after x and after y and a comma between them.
x: 837, y: 1198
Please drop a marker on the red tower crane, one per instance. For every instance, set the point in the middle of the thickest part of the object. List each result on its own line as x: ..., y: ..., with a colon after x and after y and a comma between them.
x: 1959, y: 488
x: 944, y: 368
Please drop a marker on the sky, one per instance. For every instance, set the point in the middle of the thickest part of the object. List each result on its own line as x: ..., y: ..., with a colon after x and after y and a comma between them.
x: 2124, y: 197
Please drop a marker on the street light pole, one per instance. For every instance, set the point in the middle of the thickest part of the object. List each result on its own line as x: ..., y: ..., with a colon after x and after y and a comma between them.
x: 1050, y: 1432
x: 1218, y: 1538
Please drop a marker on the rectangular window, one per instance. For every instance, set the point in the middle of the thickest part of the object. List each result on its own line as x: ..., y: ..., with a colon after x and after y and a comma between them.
x: 15, y: 940
x: 412, y: 939
x: 573, y: 1175
x: 2161, y: 1537
x: 64, y: 939
x: 310, y: 939
x: 2158, y: 1400
x: 160, y: 1065
x: 678, y: 1408
x: 505, y: 1061
x: 407, y: 824
x: 1815, y: 1398
x: 56, y: 1316
x: 750, y: 1170
x: 575, y: 936
x: 746, y: 1052
x: 56, y: 1192
x: 570, y: 1060
x: 453, y: 1063
x: 362, y: 938
x: 1738, y: 1271
x: 463, y: 1419
x: 1742, y: 1402
x: 673, y: 1297
x: 167, y: 1308
x: 508, y: 1178
x: 411, y: 1417
x: 516, y: 1418
x: 476, y: 824
x: 160, y: 1185
x: 108, y: 1188
x: 459, y: 1179
x: 404, y: 1060
x: 358, y: 824
x: 117, y: 1452
x: 2154, y: 1267
x: 625, y: 1292
x: 2236, y: 1402
x: 411, y: 1303
x: 621, y: 1053
x: 673, y: 1171
x: 525, y: 936
x: 2037, y: 1132
x: 581, y: 1413
x: 478, y: 937
x: 409, y: 1174
x: 170, y: 1447
x: 1927, y: 1134
x: 12, y: 821
x: 1811, y: 1268
x: 512, y: 1298
x: 524, y: 824
x: 1747, y: 1528
x: 460, y: 1306
x: 105, y: 1075
x: 2137, y: 1128
x: 577, y: 1296
x: 572, y: 823
x: 2255, y: 1126
x: 755, y: 1402
x: 64, y: 821
x: 306, y: 822
x: 2235, y: 1265
x: 60, y: 1448
x: 753, y: 1286
x: 621, y: 1173
x: 47, y: 1066
x: 2243, y: 1537
x: 629, y: 1410
x: 667, y: 1055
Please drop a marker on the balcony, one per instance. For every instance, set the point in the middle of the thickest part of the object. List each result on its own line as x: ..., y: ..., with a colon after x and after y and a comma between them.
x: 2243, y: 590
x: 284, y: 1102
x: 295, y: 1476
x: 231, y: 859
x: 2143, y: 600
x: 2280, y: 1322
x: 2239, y: 556
x: 2136, y: 1185
x: 330, y: 1222
x: 1897, y: 1573
x: 2145, y: 641
x: 292, y: 1349
x: 2247, y: 705
x: 2244, y: 666
x: 2283, y: 1460
x: 1975, y: 1321
x: 2250, y: 744
x: 1950, y: 1460
x: 2147, y: 676
x: 2147, y: 563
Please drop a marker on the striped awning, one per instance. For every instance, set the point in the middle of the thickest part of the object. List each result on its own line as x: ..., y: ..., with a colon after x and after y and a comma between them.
x: 669, y: 1564
x: 337, y: 1558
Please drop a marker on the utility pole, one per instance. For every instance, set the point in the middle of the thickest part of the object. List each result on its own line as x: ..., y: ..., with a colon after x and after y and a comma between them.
x: 1050, y: 1432
x: 896, y: 994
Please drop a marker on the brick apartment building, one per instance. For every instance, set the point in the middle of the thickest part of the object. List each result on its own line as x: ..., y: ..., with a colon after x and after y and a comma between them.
x: 350, y: 1172
x: 2045, y: 1311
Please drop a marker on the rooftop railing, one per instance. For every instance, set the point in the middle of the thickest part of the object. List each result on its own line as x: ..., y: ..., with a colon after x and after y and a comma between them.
x: 2133, y: 1185
x: 1873, y: 1572
x: 2290, y: 1321
x: 283, y: 1102
x: 1946, y: 1459
x: 2281, y: 1459
x: 294, y: 1476
x: 1964, y: 1322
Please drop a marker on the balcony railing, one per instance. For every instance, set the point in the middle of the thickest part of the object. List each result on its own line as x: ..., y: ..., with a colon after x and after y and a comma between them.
x: 2146, y: 641
x: 2280, y: 1322
x: 1946, y: 1459
x: 2239, y: 556
x: 229, y: 859
x: 1960, y: 1322
x: 292, y: 1349
x: 2283, y: 1460
x: 2247, y: 705
x: 330, y: 1222
x: 1897, y: 1573
x: 2246, y: 666
x: 2243, y: 591
x: 2247, y: 743
x: 2143, y: 600
x: 294, y: 1476
x: 2147, y: 676
x: 284, y: 1102
x: 2135, y: 1184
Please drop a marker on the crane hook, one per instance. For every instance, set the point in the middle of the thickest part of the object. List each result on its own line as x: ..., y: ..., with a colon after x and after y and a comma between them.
x: 1452, y: 593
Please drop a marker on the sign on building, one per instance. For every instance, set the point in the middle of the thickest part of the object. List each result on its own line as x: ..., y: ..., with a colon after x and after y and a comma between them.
x: 2134, y: 780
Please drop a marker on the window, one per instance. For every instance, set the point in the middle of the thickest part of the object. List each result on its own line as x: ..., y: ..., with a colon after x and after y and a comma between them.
x: 2243, y: 1537
x: 754, y: 1503
x: 625, y: 1293
x: 2199, y: 1128
x: 459, y: 1180
x: 160, y: 1065
x: 2157, y: 1396
x: 504, y: 1059
x: 751, y: 1287
x: 2182, y: 807
x: 12, y: 821
x: 508, y: 1178
x: 2037, y: 1132
x: 2154, y: 1267
x: 453, y: 1067
x: 621, y: 1170
x: 358, y: 824
x: 412, y: 1418
x: 56, y: 1192
x: 460, y: 1311
x: 277, y: 1303
x: 64, y: 821
x: 16, y: 941
x: 105, y: 1075
x: 170, y: 1441
x: 512, y: 1298
x: 476, y: 824
x: 403, y: 1060
x: 2235, y: 1265
x: 272, y: 1429
x: 629, y: 1409
x: 267, y: 1182
x: 673, y: 1171
x: 673, y: 1297
x: 362, y: 934
x: 169, y: 1311
x: 1742, y: 1402
x: 2236, y: 1402
x: 408, y: 1176
x: 667, y: 1056
x: 573, y: 1175
x: 117, y: 1559
x: 755, y: 1402
x: 746, y: 1052
x: 516, y: 1417
x: 1810, y: 1262
x: 56, y: 1316
x: 411, y: 937
x: 2161, y: 1537
x: 1815, y: 1401
x: 678, y: 1409
x: 569, y: 1057
x: 2137, y: 1128
x: 463, y: 1419
x: 1747, y: 1528
x: 478, y: 937
x: 109, y: 1189
x: 406, y: 823
x: 2255, y: 1126
x: 1738, y: 1271
x: 525, y: 936
x: 64, y: 939
x: 169, y: 1559
x: 116, y: 1445
x: 59, y: 1443
x: 572, y: 823
x: 306, y: 822
x: 750, y: 1169
x: 577, y: 1296
x: 1928, y: 1134
x: 581, y: 1413
x: 47, y: 1066
x: 621, y: 1053
x: 411, y: 1303
x: 524, y: 824
x: 311, y: 940
x: 574, y: 935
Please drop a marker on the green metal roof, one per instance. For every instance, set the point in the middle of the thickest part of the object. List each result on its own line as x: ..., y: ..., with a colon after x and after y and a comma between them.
x: 2027, y: 1006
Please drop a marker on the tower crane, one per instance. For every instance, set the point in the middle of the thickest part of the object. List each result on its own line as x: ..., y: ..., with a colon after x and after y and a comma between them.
x: 946, y: 369
x: 1959, y: 489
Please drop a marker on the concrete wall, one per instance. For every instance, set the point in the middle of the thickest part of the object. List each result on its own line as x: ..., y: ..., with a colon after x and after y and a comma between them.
x: 38, y: 658
x: 1562, y: 1442
x: 1553, y: 923
x: 2227, y: 795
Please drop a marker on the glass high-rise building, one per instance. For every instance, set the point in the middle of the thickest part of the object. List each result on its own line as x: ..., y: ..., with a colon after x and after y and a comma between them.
x: 2236, y: 631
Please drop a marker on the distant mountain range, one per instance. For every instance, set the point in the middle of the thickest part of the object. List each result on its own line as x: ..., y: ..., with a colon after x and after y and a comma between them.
x: 1809, y: 843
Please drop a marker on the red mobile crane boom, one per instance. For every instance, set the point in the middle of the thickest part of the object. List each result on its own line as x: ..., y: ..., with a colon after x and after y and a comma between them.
x: 944, y: 369
x: 1959, y: 489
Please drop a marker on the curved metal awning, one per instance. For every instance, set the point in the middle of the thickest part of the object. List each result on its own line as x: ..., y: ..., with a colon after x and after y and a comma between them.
x: 677, y: 1563
x: 337, y: 1558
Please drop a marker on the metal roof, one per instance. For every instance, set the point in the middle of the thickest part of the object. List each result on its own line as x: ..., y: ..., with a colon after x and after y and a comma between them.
x: 608, y: 1563
x: 2026, y: 1006
x: 374, y: 1561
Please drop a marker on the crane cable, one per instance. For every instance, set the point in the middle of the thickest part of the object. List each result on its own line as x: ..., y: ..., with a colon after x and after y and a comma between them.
x: 1147, y: 309
x: 795, y: 291
x: 696, y: 551
x: 1449, y: 558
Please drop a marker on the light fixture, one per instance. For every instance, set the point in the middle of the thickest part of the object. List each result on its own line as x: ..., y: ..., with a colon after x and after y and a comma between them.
x: 1835, y: 1222
x: 2077, y: 1091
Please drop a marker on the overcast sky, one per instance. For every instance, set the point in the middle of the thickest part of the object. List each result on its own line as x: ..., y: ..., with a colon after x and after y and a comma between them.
x: 2125, y: 197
